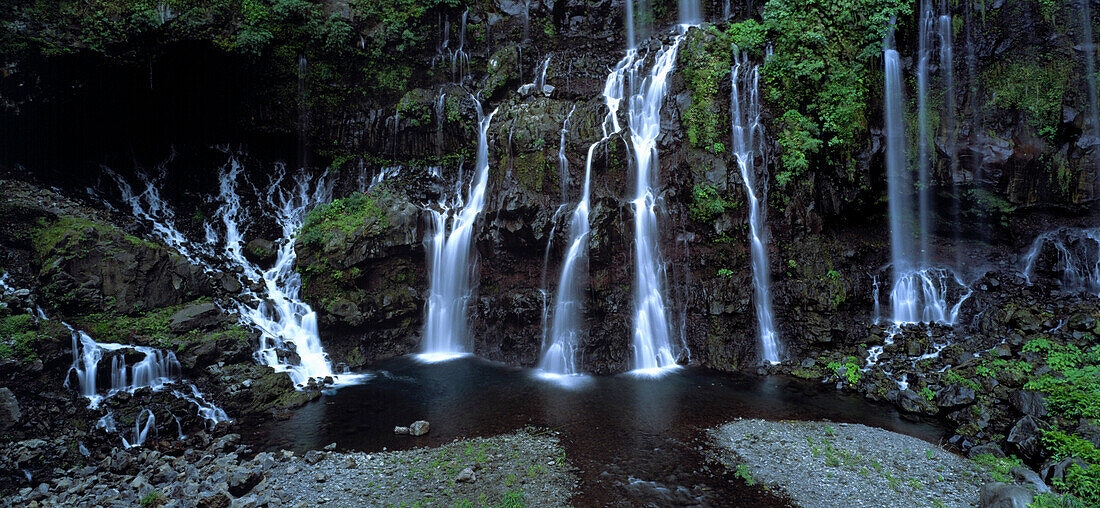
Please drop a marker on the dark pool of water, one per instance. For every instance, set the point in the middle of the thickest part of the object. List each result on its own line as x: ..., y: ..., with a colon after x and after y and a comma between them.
x: 636, y: 440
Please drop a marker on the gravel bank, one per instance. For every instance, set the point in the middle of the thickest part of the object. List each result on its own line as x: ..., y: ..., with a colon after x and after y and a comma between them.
x: 525, y: 468
x: 520, y: 469
x: 822, y: 464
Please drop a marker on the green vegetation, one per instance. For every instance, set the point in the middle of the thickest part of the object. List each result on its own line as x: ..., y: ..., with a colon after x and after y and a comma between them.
x: 851, y: 366
x: 1033, y: 84
x: 345, y: 215
x: 743, y: 473
x: 1073, y: 385
x: 999, y: 468
x: 152, y: 499
x: 151, y: 328
x: 18, y: 336
x: 708, y: 203
x: 821, y: 77
x: 707, y: 63
x: 66, y: 236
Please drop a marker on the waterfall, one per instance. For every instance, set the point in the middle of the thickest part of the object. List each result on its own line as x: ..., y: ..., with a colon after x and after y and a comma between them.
x: 559, y: 356
x: 745, y: 111
x: 1076, y: 254
x: 440, y: 120
x: 1089, y: 46
x: 947, y: 73
x: 652, y: 347
x: 540, y: 83
x: 920, y: 293
x: 452, y: 259
x: 690, y: 13
x: 924, y: 191
x: 285, y: 321
x: 639, y: 21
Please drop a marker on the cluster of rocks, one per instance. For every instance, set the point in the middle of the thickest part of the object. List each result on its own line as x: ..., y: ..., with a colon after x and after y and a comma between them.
x: 214, y: 475
x: 417, y: 428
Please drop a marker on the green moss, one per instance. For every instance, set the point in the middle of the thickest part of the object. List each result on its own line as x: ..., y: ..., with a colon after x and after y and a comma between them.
x: 345, y: 215
x: 64, y: 237
x: 18, y: 337
x: 534, y: 171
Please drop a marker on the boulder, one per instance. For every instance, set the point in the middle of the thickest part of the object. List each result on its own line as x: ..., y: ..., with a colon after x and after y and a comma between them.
x: 419, y: 428
x: 1003, y: 495
x: 1026, y: 476
x: 914, y: 403
x: 203, y: 315
x: 1057, y: 472
x: 1090, y: 431
x: 1026, y: 437
x: 1033, y: 404
x: 242, y: 480
x: 260, y: 251
x: 9, y: 410
x: 954, y: 396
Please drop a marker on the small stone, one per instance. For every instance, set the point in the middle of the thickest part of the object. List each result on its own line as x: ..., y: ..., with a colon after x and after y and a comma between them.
x: 350, y: 463
x: 292, y: 470
x: 419, y: 428
x: 320, y: 477
x: 330, y: 447
x: 314, y: 456
x: 400, y: 430
x: 466, y: 476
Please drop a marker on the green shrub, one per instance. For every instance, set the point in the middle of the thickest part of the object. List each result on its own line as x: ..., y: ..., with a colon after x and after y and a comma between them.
x: 708, y: 203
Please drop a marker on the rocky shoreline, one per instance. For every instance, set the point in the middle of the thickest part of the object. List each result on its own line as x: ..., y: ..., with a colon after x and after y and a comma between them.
x: 525, y: 468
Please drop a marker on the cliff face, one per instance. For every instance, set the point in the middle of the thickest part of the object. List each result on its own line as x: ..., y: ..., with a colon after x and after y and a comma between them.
x: 363, y: 86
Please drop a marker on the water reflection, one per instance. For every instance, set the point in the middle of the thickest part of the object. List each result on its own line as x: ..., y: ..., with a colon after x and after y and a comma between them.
x: 632, y: 437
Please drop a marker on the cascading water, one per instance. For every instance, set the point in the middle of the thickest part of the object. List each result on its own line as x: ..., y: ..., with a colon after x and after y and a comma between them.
x: 690, y: 13
x: 947, y: 74
x: 745, y: 111
x: 1073, y: 254
x: 920, y: 293
x: 924, y: 140
x: 559, y: 355
x: 452, y: 259
x: 156, y: 370
x: 653, y: 349
x: 287, y: 324
x: 284, y: 320
x: 1089, y: 46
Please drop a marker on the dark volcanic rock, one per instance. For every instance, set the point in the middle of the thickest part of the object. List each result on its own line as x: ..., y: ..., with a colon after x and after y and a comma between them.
x: 198, y: 316
x: 1026, y: 437
x: 1002, y: 495
x: 9, y: 409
